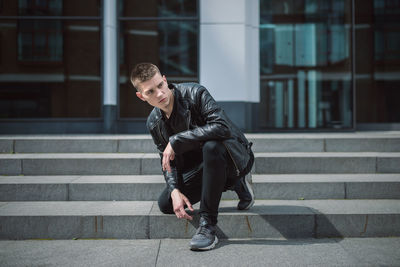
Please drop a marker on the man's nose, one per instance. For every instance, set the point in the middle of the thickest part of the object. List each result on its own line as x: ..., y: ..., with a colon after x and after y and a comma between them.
x: 159, y: 92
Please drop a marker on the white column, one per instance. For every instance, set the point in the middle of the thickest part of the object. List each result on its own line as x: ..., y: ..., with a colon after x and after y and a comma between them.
x: 110, y: 65
x: 229, y: 49
x: 110, y: 52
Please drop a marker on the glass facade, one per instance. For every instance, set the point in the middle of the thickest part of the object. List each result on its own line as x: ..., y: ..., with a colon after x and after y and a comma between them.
x: 50, y: 59
x: 324, y: 64
x: 306, y: 64
x: 162, y: 32
x: 377, y: 32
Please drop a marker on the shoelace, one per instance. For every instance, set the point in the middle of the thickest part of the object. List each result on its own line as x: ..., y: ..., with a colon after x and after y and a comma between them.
x: 203, y: 230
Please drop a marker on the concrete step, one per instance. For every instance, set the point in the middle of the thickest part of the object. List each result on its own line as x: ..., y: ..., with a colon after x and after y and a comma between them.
x: 148, y: 187
x: 143, y: 220
x: 149, y: 163
x: 271, y: 252
x: 286, y: 142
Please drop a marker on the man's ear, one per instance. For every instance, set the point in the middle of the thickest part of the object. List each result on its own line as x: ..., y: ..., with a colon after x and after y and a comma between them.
x: 138, y: 94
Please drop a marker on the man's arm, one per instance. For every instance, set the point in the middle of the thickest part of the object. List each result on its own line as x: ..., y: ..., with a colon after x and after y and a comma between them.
x: 170, y: 176
x: 215, y: 127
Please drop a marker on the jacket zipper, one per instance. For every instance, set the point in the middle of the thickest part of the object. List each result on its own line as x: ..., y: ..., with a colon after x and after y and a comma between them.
x: 162, y: 136
x: 188, y: 120
x: 237, y: 169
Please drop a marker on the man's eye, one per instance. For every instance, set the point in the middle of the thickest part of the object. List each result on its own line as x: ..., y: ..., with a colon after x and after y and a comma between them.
x: 149, y: 92
x: 160, y: 85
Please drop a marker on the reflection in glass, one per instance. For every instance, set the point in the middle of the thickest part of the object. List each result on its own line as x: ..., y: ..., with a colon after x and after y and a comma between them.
x: 40, y: 41
x: 50, y: 8
x: 172, y: 45
x: 378, y: 61
x: 158, y: 8
x: 49, y: 71
x: 40, y: 7
x: 305, y: 64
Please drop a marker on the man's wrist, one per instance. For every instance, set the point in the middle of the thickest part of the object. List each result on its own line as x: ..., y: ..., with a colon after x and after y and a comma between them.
x: 175, y: 190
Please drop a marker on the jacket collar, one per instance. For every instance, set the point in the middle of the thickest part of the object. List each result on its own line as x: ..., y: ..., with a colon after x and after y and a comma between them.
x: 179, y: 102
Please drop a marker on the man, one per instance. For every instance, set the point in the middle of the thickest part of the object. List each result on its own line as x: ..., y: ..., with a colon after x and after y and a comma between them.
x: 202, y: 152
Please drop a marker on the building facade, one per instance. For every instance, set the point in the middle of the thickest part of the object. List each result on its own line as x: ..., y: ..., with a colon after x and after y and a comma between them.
x: 273, y: 65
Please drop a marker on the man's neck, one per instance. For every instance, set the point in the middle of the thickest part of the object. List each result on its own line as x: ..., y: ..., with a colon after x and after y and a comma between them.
x: 168, y: 110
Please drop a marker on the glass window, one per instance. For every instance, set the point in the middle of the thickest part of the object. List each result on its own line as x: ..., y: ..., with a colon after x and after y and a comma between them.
x: 158, y: 8
x: 40, y: 41
x: 170, y: 44
x: 50, y: 69
x: 305, y: 64
x: 50, y: 8
x: 378, y: 61
x: 40, y: 7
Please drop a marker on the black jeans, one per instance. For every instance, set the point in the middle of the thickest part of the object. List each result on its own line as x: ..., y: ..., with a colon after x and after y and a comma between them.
x: 207, y: 187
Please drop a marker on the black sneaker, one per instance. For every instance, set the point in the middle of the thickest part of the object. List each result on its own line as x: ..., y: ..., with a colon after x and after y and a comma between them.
x: 205, y: 238
x: 244, y: 190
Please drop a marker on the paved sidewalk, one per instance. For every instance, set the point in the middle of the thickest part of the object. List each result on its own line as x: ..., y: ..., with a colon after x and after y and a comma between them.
x: 175, y: 252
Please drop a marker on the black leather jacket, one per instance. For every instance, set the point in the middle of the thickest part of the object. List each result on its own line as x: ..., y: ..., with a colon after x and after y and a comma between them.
x: 205, y: 120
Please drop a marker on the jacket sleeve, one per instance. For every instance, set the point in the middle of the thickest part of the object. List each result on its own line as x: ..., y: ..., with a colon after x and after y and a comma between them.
x: 171, y: 178
x: 215, y: 124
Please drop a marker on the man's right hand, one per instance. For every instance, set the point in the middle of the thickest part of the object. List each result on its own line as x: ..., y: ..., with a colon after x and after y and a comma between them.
x: 178, y: 202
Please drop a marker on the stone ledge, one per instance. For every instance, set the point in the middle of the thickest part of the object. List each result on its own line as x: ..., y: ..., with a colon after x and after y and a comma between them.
x: 287, y: 219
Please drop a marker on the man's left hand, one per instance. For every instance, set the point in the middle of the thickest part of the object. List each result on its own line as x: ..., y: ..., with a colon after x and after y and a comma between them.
x: 168, y: 155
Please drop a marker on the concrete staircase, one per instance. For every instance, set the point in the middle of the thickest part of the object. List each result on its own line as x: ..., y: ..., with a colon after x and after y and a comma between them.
x: 100, y: 186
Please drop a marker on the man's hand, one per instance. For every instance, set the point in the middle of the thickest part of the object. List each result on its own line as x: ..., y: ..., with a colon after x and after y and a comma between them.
x: 168, y: 155
x: 178, y: 202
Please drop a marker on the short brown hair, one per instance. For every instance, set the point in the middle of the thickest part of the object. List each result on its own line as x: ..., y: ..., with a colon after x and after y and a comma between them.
x: 143, y: 72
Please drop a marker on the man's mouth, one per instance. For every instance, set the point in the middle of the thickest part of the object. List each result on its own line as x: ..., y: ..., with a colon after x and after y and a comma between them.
x: 162, y: 100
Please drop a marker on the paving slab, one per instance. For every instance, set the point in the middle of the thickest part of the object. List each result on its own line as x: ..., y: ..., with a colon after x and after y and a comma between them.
x: 388, y: 164
x: 318, y: 218
x: 325, y: 177
x: 143, y: 219
x: 373, y: 251
x: 33, y: 192
x: 230, y: 252
x: 148, y: 187
x: 66, y: 220
x: 6, y: 146
x: 81, y: 164
x: 149, y: 163
x: 287, y: 145
x: 368, y: 144
x: 10, y: 166
x: 255, y: 252
x: 145, y: 145
x: 356, y: 218
x: 373, y: 190
x: 327, y: 162
x: 79, y: 253
x: 75, y: 137
x: 117, y: 187
x: 66, y: 146
x: 284, y: 142
x: 34, y: 188
x: 76, y: 208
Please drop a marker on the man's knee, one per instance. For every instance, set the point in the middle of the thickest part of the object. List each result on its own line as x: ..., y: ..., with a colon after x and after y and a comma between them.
x: 165, y: 205
x: 213, y: 148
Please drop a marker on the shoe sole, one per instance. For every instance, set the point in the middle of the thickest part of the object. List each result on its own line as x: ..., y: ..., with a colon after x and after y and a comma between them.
x: 206, y: 248
x: 250, y: 188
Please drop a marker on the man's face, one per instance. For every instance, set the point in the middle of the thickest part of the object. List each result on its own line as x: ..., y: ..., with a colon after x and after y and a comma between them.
x: 156, y: 92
